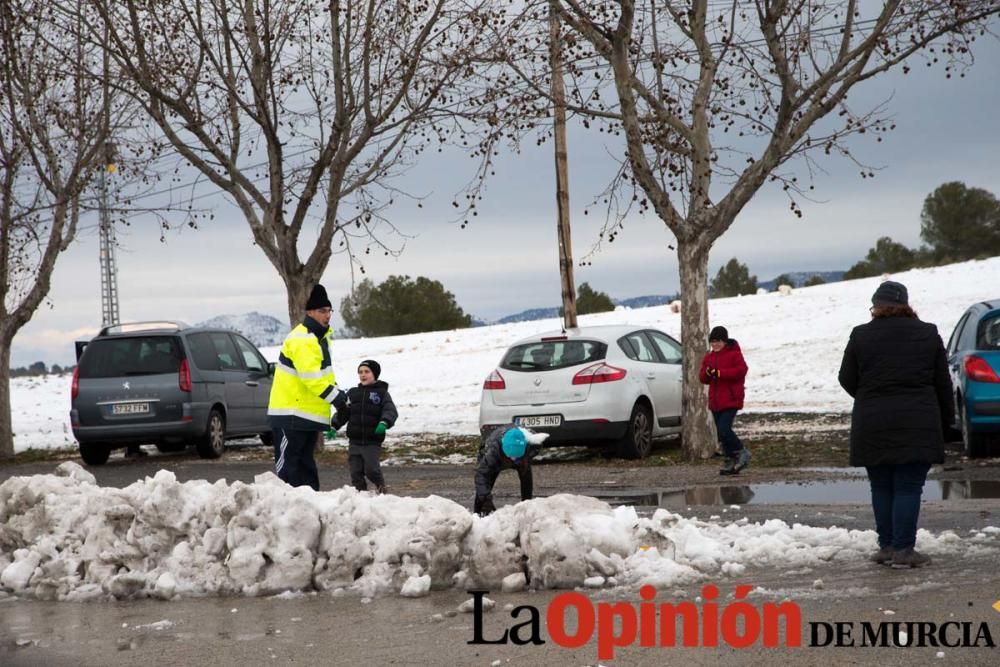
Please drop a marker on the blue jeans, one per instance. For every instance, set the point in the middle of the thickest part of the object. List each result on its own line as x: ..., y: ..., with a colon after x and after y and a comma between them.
x: 896, y: 493
x: 731, y: 444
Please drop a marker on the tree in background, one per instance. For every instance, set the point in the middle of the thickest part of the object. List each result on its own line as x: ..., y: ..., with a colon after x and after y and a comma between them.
x: 399, y: 306
x: 51, y: 147
x: 590, y: 301
x: 715, y: 99
x: 733, y: 279
x: 960, y: 223
x: 886, y: 257
x: 301, y: 113
x: 784, y: 279
x: 812, y: 281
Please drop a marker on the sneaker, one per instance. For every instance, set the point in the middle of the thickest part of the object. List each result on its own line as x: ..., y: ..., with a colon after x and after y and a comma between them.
x: 883, y: 556
x: 728, y: 467
x: 742, y: 460
x: 382, y: 490
x: 909, y: 558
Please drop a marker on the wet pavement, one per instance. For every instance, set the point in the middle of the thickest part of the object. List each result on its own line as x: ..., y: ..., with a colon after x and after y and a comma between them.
x: 321, y: 629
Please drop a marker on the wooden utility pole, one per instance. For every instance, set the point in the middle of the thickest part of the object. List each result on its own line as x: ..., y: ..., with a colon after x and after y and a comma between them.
x: 562, y: 174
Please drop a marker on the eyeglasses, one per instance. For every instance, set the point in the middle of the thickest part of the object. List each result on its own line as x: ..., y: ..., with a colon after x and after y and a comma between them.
x: 324, y: 311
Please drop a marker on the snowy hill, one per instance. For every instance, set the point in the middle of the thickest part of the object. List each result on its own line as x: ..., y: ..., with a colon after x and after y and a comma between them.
x: 262, y: 330
x: 793, y: 345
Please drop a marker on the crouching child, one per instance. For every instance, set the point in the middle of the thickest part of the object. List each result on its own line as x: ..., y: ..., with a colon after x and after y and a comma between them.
x: 369, y: 412
x: 506, y: 448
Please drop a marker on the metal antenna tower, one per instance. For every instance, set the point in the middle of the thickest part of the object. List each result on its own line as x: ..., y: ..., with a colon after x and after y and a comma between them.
x: 109, y: 267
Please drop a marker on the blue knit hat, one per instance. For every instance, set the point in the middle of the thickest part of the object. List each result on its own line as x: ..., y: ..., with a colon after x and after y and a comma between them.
x: 514, y: 443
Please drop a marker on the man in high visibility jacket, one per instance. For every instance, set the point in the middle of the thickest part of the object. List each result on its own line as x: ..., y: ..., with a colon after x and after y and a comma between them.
x: 303, y: 390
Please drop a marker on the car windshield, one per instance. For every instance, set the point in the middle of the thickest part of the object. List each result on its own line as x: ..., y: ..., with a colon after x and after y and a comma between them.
x: 551, y: 355
x: 120, y: 357
x: 989, y: 334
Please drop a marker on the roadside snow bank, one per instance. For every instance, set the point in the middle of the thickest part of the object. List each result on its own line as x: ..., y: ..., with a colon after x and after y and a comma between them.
x: 63, y: 537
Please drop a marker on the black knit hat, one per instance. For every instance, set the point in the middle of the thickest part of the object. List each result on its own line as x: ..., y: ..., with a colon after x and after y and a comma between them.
x: 373, y: 365
x: 318, y: 298
x: 718, y: 333
x: 891, y: 293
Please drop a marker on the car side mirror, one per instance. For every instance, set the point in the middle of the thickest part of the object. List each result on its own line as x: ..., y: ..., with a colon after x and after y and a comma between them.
x: 270, y: 369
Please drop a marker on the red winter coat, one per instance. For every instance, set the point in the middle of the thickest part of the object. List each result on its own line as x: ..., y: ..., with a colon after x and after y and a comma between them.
x: 726, y: 391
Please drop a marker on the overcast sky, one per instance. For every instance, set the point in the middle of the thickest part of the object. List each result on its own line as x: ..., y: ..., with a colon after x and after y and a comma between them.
x: 506, y: 260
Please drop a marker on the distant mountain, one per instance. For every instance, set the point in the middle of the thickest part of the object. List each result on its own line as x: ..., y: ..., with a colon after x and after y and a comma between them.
x: 545, y: 313
x: 646, y: 301
x: 262, y: 330
x: 529, y: 315
x: 799, y: 277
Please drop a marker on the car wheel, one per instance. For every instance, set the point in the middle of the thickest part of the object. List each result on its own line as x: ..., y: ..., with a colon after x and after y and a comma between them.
x: 638, y: 440
x: 975, y: 444
x: 95, y: 453
x: 213, y: 443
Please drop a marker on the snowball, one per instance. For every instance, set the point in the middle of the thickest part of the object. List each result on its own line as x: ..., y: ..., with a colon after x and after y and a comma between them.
x: 513, y: 583
x: 416, y: 587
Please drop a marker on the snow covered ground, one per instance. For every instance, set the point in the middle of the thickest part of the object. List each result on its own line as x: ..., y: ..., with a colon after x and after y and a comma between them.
x: 792, y: 343
x: 63, y: 537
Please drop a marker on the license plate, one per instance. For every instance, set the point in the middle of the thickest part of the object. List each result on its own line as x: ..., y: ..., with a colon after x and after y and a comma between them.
x: 540, y: 420
x: 130, y: 408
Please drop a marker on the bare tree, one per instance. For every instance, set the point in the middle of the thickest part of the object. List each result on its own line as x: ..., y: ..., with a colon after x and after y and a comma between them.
x: 51, y: 140
x: 302, y: 112
x: 714, y: 99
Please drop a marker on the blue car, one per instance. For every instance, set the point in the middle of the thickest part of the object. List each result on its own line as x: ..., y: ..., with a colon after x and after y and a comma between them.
x: 974, y: 360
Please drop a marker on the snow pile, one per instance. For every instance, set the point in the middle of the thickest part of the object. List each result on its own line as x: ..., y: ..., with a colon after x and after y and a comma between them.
x: 64, y: 537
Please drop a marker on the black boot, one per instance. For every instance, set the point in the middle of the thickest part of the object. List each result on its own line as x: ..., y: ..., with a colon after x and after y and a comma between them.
x: 728, y: 467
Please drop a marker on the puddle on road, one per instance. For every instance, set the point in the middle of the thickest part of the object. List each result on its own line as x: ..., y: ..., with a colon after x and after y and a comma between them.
x: 841, y: 491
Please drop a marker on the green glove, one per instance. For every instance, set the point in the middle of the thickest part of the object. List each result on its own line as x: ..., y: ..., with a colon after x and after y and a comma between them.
x: 380, y: 429
x: 331, y: 434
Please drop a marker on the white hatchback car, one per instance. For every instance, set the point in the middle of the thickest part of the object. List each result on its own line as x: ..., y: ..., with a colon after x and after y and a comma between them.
x: 589, y: 386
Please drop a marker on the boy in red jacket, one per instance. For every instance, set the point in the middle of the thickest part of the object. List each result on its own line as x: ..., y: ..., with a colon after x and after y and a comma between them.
x: 724, y: 370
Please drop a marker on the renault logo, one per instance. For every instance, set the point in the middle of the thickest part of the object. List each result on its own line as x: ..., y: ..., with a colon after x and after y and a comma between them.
x: 538, y: 381
x: 125, y: 385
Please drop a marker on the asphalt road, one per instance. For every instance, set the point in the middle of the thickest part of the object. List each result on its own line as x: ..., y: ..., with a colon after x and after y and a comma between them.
x: 320, y: 629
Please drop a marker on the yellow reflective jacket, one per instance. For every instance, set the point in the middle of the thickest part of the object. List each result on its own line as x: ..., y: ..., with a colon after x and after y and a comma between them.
x: 304, y: 385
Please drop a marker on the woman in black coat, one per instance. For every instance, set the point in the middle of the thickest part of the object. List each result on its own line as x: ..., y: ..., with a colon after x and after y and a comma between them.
x: 896, y: 369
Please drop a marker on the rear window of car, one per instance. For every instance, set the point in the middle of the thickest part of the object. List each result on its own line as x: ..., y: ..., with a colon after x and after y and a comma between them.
x: 139, y: 355
x: 989, y: 333
x: 552, y: 355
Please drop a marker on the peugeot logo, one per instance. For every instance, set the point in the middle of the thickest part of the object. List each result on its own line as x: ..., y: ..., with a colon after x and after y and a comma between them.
x: 538, y: 381
x: 125, y: 385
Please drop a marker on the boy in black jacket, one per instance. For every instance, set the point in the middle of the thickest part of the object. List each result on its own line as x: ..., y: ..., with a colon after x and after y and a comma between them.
x: 368, y: 413
x: 508, y: 447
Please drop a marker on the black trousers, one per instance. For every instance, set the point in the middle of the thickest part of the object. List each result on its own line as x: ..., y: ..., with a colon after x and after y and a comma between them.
x: 363, y: 461
x: 293, y: 457
x: 731, y: 443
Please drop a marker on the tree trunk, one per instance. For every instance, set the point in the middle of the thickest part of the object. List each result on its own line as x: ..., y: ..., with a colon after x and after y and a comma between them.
x: 698, y: 430
x: 298, y: 289
x: 6, y: 426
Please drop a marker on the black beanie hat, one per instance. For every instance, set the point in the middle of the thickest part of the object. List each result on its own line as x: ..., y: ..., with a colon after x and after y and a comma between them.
x: 318, y: 298
x: 719, y: 333
x: 373, y: 365
x: 891, y: 293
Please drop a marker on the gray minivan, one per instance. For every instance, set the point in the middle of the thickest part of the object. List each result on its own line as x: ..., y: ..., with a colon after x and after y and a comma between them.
x: 168, y: 384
